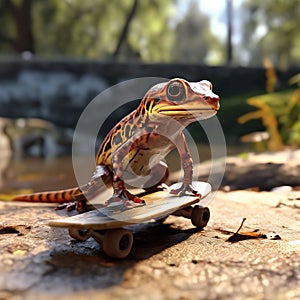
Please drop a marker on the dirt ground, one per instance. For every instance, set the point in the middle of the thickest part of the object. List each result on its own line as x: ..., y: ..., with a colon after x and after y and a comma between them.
x: 173, y: 260
x: 168, y: 261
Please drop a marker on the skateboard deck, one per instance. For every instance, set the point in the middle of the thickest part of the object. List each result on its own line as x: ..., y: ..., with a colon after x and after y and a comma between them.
x: 105, y: 224
x: 158, y: 205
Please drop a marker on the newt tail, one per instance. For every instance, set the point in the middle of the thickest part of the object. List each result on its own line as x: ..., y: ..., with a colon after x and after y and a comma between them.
x: 62, y: 196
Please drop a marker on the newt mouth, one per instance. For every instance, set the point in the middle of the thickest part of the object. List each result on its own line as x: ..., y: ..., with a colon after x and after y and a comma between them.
x: 192, y: 108
x: 189, y: 114
x: 186, y: 111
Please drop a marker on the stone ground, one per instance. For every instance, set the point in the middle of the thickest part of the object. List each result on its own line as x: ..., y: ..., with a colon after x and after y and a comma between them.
x: 168, y: 261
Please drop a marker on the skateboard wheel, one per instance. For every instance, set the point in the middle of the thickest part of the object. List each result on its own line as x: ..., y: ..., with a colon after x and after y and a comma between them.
x: 117, y: 242
x: 79, y: 235
x: 200, y: 216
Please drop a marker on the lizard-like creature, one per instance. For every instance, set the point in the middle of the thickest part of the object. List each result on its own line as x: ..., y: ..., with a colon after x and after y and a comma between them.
x: 139, y: 141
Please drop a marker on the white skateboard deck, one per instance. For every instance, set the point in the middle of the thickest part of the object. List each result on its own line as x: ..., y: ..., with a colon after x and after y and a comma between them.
x: 158, y: 205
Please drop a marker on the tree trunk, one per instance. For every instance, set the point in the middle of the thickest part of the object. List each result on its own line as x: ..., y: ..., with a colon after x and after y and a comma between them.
x: 21, y: 18
x: 229, y: 32
x: 24, y: 39
x: 125, y: 30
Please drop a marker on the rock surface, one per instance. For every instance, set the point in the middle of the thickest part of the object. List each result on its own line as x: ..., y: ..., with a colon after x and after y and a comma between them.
x: 262, y: 171
x: 168, y: 261
x: 173, y: 260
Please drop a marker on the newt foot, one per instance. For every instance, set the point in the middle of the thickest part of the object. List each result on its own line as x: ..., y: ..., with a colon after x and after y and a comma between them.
x: 126, y: 198
x: 185, y: 189
x: 79, y: 205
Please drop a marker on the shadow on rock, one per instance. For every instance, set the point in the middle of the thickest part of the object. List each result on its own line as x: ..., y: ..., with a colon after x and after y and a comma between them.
x: 85, y: 262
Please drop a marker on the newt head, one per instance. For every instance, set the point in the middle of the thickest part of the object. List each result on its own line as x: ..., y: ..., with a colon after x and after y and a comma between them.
x: 182, y: 100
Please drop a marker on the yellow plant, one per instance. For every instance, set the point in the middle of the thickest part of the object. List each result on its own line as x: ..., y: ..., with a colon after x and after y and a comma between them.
x: 271, y: 77
x: 269, y: 121
x: 272, y: 109
x: 293, y: 113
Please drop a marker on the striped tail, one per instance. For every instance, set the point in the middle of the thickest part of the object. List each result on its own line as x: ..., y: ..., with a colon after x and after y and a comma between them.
x: 53, y: 197
x: 91, y: 189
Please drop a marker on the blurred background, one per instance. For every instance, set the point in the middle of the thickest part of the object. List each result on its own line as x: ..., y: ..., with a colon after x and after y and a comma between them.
x: 57, y: 55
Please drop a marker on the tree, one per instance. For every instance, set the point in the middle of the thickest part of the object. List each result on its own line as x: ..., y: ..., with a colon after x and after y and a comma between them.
x: 194, y: 40
x: 95, y: 29
x: 271, y: 30
x: 18, y: 34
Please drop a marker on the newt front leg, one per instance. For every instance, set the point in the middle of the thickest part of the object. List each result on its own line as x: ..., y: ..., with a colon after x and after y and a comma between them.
x: 120, y: 191
x: 187, y: 166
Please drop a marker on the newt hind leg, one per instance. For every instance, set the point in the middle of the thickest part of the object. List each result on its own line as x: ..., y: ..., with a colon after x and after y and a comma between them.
x: 80, y: 200
x: 159, y: 175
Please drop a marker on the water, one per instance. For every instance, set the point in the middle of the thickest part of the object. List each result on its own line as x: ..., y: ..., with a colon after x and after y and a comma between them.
x: 35, y: 174
x: 30, y: 174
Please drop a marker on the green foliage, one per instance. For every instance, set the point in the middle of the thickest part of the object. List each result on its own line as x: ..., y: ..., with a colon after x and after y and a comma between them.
x: 92, y: 28
x: 150, y: 35
x: 291, y: 119
x: 271, y: 29
x: 194, y: 39
x: 78, y: 28
x: 280, y: 114
x: 156, y: 32
x: 266, y: 114
x: 96, y: 28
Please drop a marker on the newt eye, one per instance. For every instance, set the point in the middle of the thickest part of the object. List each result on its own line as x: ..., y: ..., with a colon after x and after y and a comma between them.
x: 175, y: 91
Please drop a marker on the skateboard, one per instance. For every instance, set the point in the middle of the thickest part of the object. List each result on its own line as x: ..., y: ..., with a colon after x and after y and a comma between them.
x: 105, y: 225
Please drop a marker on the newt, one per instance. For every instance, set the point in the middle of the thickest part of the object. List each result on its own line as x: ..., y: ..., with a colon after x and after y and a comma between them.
x: 139, y: 141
